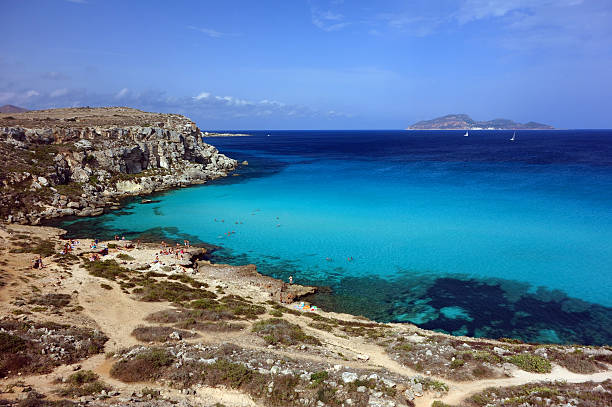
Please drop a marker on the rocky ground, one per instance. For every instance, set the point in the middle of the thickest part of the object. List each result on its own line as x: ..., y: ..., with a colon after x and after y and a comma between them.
x: 125, y: 329
x: 80, y: 161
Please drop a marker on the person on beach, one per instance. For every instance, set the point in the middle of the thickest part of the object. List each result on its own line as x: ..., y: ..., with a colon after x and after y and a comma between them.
x: 290, y: 279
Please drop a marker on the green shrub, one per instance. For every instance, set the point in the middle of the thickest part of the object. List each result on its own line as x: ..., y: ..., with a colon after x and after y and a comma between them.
x: 82, y: 377
x: 108, y: 269
x: 11, y: 343
x: 276, y: 313
x: 124, y: 256
x: 457, y: 363
x: 276, y: 330
x: 530, y: 363
x: 146, y: 365
x: 318, y: 377
x: 83, y: 383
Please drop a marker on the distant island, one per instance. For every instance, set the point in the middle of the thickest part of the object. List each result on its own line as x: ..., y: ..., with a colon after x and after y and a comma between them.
x: 465, y: 122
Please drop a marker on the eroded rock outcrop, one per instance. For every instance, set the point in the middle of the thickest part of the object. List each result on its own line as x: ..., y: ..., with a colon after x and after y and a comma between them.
x: 81, y: 169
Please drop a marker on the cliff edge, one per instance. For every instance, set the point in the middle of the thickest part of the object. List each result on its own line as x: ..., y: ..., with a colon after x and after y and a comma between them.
x: 79, y: 161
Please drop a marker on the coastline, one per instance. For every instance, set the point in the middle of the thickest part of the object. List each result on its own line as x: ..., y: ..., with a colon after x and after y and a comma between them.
x: 179, y: 328
x: 230, y: 304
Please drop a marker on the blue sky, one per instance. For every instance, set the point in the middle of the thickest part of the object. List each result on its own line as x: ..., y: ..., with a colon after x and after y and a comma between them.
x: 332, y: 64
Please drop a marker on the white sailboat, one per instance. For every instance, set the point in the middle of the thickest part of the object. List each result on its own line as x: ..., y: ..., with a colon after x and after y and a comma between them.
x: 467, y: 133
x: 513, y: 136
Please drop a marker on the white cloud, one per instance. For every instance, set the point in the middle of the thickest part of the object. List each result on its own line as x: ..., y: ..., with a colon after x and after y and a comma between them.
x: 204, y: 106
x: 327, y: 20
x: 55, y: 76
x: 210, y: 32
x: 122, y: 93
x: 58, y: 92
x: 203, y: 95
x: 6, y: 97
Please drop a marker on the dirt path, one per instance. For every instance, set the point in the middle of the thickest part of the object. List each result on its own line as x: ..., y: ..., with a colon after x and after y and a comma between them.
x: 115, y: 312
x: 459, y: 391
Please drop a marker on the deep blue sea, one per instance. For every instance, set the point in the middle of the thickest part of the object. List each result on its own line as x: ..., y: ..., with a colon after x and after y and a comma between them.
x: 475, y: 235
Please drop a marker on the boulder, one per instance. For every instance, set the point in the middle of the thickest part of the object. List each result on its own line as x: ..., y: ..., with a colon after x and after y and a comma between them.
x: 349, y: 377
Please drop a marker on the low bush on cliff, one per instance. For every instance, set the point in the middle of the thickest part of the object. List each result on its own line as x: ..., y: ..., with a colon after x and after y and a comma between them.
x: 172, y: 291
x: 83, y: 383
x: 36, y: 245
x: 577, y: 361
x: 188, y: 280
x: 160, y: 333
x: 108, y: 269
x: 530, y: 363
x: 125, y: 256
x: 278, y: 331
x: 147, y: 365
x: 54, y: 300
x: 537, y: 394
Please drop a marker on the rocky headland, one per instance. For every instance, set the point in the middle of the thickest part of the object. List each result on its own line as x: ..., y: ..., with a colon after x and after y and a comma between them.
x: 80, y: 161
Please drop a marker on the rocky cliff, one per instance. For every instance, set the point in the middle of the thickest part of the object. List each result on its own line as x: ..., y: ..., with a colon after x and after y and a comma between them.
x: 80, y: 161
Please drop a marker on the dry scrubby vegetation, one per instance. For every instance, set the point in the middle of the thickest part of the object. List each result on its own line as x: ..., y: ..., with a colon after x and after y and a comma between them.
x: 82, y: 383
x: 470, y: 360
x: 183, y: 366
x: 27, y: 348
x: 161, y: 334
x: 550, y: 394
x: 35, y: 245
x: 278, y: 331
x: 339, y: 327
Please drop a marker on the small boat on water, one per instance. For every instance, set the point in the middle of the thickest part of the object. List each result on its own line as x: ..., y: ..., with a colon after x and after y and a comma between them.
x: 467, y: 133
x: 513, y: 136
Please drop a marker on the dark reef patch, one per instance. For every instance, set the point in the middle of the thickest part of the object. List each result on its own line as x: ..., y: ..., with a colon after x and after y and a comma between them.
x: 479, y: 308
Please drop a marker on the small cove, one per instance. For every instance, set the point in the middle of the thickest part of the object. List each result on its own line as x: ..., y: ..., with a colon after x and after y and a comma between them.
x: 477, y: 236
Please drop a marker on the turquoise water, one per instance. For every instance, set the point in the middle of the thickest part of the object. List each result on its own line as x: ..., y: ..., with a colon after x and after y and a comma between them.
x: 479, y: 236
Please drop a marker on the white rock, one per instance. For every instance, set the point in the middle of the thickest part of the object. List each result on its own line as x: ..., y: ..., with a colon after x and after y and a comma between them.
x: 417, y: 389
x: 500, y: 351
x: 349, y: 377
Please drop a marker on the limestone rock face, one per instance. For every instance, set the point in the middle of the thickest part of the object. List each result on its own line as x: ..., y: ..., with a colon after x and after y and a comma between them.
x: 49, y: 169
